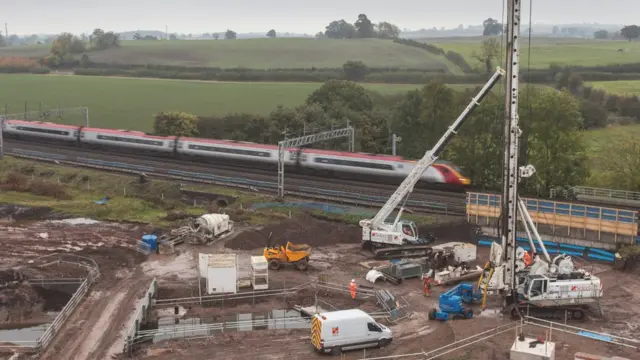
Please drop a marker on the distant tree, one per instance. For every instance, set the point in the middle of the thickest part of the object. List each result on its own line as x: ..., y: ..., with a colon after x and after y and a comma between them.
x: 570, y: 81
x: 594, y: 116
x: 67, y: 43
x: 601, y: 34
x: 84, y: 61
x: 491, y: 27
x: 630, y: 32
x: 340, y: 29
x: 355, y: 70
x: 230, y: 35
x: 320, y: 35
x: 101, y: 40
x: 489, y: 52
x: 555, y: 30
x: 175, y: 123
x: 271, y: 33
x: 364, y: 27
x: 3, y: 41
x: 173, y: 37
x: 216, y: 36
x: 387, y: 30
x: 137, y: 36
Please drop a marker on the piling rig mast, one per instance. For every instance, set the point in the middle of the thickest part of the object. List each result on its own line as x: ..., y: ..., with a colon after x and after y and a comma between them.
x: 550, y: 289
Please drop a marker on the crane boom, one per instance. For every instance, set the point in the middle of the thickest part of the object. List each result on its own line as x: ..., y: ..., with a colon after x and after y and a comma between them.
x: 429, y: 158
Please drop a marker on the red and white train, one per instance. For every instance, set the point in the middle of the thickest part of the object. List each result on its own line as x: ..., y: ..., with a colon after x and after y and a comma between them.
x: 368, y: 167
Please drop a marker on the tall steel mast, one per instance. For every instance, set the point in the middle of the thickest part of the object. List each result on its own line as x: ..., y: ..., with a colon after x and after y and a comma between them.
x: 511, y: 135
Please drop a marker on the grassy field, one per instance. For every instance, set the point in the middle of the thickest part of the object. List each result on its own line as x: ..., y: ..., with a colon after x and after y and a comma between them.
x: 546, y: 51
x: 600, y: 143
x: 629, y: 87
x: 129, y: 103
x: 259, y: 53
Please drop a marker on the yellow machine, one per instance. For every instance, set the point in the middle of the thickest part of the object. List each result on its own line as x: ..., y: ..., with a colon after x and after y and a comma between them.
x: 296, y: 254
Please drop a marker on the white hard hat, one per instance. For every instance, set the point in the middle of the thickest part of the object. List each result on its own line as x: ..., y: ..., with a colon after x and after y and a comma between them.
x: 353, y: 280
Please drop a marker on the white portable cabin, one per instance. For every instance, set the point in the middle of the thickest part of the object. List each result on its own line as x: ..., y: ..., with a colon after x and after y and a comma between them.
x: 259, y: 273
x: 39, y: 129
x: 220, y: 271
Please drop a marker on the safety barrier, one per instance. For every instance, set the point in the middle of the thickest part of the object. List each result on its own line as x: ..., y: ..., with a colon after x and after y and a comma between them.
x: 554, y: 248
x: 67, y: 310
x: 140, y: 317
x: 357, y: 199
x: 562, y: 218
x: 610, y: 196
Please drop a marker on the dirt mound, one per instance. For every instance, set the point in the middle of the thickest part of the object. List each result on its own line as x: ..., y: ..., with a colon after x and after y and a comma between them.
x: 303, y: 229
x: 455, y: 231
x: 18, y: 303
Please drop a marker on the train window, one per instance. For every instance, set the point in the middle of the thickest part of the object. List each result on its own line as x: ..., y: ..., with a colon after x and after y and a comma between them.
x: 354, y: 163
x: 131, y: 140
x: 444, y: 169
x: 44, y: 131
x: 265, y: 154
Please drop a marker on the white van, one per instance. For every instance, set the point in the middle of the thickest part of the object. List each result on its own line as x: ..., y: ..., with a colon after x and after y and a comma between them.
x: 334, y: 332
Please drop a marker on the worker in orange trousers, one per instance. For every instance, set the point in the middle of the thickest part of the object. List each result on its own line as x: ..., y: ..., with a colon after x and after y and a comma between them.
x: 352, y: 288
x: 427, y: 285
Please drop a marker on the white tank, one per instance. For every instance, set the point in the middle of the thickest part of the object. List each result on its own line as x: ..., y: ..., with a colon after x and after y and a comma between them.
x: 211, y: 223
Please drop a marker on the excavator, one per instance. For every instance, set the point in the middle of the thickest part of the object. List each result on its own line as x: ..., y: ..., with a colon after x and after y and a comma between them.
x: 294, y: 254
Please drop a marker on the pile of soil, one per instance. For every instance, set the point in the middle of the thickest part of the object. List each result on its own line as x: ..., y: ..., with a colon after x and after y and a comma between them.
x: 303, y: 229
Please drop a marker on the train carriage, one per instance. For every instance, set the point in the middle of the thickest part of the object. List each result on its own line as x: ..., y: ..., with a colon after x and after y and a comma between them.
x: 132, y: 140
x: 229, y: 150
x: 40, y: 130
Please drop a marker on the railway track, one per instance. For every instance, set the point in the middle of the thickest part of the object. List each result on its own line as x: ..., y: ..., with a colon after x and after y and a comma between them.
x: 340, y: 191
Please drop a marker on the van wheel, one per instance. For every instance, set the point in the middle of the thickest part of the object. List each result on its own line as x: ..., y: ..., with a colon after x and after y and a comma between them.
x: 336, y: 351
x: 384, y: 342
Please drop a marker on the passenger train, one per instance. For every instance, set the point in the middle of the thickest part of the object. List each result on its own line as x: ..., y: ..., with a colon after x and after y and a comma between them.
x: 368, y: 167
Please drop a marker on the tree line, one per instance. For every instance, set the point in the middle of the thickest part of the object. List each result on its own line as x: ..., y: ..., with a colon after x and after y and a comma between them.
x: 552, y: 121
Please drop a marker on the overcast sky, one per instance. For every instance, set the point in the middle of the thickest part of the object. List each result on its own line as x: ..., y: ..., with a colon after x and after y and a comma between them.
x: 197, y: 16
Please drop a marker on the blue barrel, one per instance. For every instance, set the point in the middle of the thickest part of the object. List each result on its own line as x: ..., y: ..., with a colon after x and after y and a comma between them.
x: 150, y: 240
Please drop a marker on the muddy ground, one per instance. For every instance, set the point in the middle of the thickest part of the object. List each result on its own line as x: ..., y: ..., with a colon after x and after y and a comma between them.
x: 302, y: 229
x: 96, y: 329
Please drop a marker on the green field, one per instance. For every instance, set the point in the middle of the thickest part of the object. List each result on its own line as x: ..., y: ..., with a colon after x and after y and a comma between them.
x: 129, y: 103
x: 601, y: 143
x: 628, y: 87
x: 259, y: 53
x: 547, y: 50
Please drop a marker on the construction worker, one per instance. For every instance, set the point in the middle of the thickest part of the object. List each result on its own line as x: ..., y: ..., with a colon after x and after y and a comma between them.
x: 352, y: 288
x: 427, y: 284
x: 526, y: 258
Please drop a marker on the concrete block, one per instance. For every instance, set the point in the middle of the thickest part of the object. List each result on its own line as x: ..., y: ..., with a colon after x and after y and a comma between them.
x: 521, y: 350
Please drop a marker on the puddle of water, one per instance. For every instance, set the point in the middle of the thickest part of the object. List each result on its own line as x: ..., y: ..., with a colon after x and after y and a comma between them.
x: 27, y: 333
x: 75, y: 221
x: 174, y: 327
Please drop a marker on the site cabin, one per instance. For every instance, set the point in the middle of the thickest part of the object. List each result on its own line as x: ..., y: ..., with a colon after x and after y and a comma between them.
x: 338, y: 331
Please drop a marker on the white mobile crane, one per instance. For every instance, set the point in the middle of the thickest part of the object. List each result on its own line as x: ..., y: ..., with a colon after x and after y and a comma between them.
x: 550, y: 289
x: 376, y: 233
